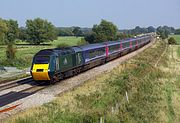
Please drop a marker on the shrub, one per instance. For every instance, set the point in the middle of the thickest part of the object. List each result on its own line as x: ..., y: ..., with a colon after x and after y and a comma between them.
x: 171, y: 40
x: 10, y: 52
x: 82, y: 42
x: 62, y: 45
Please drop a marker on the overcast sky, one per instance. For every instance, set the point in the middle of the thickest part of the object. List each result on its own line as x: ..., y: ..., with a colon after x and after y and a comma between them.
x: 86, y: 13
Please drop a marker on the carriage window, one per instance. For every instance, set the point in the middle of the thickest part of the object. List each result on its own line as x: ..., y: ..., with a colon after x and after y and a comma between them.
x: 97, y: 52
x: 125, y: 45
x: 114, y: 48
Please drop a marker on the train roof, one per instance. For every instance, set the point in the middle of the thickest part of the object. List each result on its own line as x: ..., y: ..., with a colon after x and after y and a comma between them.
x: 92, y: 46
x: 74, y: 49
x: 45, y: 52
x: 63, y: 51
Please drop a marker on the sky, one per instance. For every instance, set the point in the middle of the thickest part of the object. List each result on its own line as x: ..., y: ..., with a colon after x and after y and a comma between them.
x: 125, y: 14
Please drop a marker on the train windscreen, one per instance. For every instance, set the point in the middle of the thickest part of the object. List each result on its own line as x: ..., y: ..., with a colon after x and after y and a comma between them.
x: 41, y: 59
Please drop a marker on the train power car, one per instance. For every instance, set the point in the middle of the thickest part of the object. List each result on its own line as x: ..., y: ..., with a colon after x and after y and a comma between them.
x: 55, y: 64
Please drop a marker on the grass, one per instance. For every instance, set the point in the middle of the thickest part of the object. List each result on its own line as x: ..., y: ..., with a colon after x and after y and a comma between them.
x: 25, y: 53
x: 149, y: 91
x: 177, y: 38
x: 178, y: 52
x: 71, y: 41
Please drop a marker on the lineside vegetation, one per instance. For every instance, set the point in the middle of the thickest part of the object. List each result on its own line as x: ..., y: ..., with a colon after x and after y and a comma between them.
x: 136, y: 91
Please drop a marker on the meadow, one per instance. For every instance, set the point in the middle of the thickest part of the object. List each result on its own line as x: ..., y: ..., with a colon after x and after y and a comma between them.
x: 25, y: 52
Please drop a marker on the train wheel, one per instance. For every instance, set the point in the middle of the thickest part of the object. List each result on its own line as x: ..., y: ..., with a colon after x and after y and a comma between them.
x: 54, y: 80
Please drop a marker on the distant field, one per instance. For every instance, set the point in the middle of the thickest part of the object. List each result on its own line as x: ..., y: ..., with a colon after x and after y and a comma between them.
x: 71, y: 41
x: 177, y: 38
x: 25, y: 53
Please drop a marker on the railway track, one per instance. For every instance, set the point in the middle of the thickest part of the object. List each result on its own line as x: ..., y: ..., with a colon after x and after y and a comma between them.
x: 12, y: 94
x: 13, y: 84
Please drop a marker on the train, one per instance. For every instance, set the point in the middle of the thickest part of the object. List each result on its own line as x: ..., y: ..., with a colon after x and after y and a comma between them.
x: 53, y: 65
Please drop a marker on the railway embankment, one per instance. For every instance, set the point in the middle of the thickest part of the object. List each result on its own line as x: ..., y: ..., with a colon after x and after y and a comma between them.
x: 138, y: 90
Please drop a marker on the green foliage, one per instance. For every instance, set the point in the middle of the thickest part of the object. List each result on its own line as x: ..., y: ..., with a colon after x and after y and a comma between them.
x: 138, y: 30
x: 123, y: 36
x: 177, y: 32
x: 176, y: 37
x: 82, y: 42
x: 10, y: 52
x: 90, y: 38
x: 70, y: 40
x: 62, y: 45
x: 13, y: 31
x: 65, y: 31
x: 3, y: 31
x: 151, y: 29
x: 171, y: 40
x: 22, y: 34
x: 105, y: 31
x: 39, y: 31
x: 77, y: 31
x: 164, y: 31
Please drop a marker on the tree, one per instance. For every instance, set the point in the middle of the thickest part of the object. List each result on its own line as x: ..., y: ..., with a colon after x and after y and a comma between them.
x: 3, y: 31
x: 39, y: 31
x: 105, y: 31
x: 163, y: 32
x: 13, y: 31
x: 121, y: 36
x: 177, y: 31
x: 64, y: 31
x: 77, y: 31
x: 11, y: 35
x: 22, y: 34
x: 171, y: 40
x: 151, y: 29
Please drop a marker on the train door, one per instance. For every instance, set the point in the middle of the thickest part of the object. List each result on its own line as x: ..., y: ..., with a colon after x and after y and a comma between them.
x: 57, y: 63
x: 79, y: 59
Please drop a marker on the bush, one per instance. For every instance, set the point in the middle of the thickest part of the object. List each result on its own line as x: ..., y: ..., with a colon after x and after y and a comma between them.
x: 171, y: 40
x: 10, y: 52
x: 62, y: 45
x: 82, y: 42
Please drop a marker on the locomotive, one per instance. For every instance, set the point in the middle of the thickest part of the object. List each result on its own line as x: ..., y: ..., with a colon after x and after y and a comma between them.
x: 55, y: 64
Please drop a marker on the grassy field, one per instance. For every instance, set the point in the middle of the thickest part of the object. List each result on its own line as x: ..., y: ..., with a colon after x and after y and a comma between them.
x: 177, y: 38
x: 71, y: 41
x: 149, y: 89
x: 24, y: 53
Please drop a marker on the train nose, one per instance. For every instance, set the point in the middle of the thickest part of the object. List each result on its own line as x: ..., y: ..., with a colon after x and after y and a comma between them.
x: 40, y: 72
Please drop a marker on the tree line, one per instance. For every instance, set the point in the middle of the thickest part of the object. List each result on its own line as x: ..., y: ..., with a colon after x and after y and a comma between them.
x: 38, y: 31
x: 35, y: 32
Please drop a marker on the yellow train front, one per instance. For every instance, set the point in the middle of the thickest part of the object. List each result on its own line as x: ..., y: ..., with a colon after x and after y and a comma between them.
x: 55, y: 64
x: 43, y: 65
